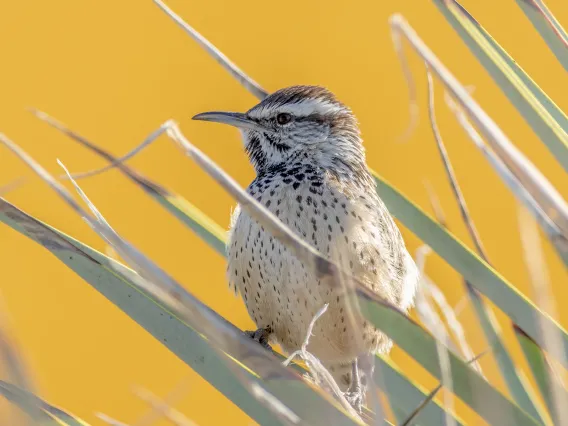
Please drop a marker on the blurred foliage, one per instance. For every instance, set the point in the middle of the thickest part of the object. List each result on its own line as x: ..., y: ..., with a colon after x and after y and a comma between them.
x: 117, y: 70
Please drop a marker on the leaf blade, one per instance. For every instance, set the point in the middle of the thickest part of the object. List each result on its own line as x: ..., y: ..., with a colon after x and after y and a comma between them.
x: 468, y: 264
x: 60, y: 246
x: 166, y: 328
x: 541, y: 117
x: 542, y: 373
x: 548, y: 27
x: 39, y: 410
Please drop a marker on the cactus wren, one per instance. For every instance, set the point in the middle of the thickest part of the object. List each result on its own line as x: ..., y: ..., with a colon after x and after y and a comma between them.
x: 311, y: 173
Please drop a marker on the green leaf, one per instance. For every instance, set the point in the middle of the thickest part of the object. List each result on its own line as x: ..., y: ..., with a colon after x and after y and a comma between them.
x: 418, y: 343
x: 193, y: 349
x: 200, y: 223
x: 540, y: 213
x: 405, y: 396
x: 40, y: 411
x: 518, y: 388
x: 461, y: 258
x: 538, y: 93
x: 421, y: 345
x: 546, y: 119
x: 110, y: 279
x: 545, y: 378
x: 182, y: 209
x: 476, y: 271
x: 512, y: 377
x: 548, y: 27
x: 467, y: 383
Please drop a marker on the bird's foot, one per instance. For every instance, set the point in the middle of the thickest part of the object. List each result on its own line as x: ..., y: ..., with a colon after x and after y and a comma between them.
x: 355, y: 399
x: 355, y: 394
x: 261, y: 336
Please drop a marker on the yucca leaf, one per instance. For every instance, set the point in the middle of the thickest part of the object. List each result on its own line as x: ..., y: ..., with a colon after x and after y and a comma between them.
x: 112, y: 280
x: 473, y: 269
x: 548, y: 27
x: 406, y: 333
x: 547, y: 197
x: 404, y: 396
x: 104, y: 274
x: 200, y: 223
x: 538, y: 272
x: 410, y: 418
x: 196, y: 222
x: 538, y: 93
x: 545, y: 378
x: 210, y: 232
x: 467, y: 263
x: 552, y: 231
x: 154, y: 280
x: 185, y: 342
x: 554, y: 234
x: 516, y: 383
x: 518, y: 389
x: 473, y: 389
x: 542, y: 117
x: 225, y: 62
x: 182, y: 209
x: 40, y: 411
x: 482, y: 276
x: 251, y: 86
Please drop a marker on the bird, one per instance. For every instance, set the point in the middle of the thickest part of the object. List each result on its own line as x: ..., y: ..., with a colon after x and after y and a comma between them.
x: 307, y: 152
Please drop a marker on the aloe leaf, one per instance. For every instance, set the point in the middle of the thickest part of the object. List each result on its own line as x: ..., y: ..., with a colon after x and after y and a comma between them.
x: 548, y: 27
x: 542, y: 117
x: 112, y: 280
x: 545, y: 378
x: 40, y: 411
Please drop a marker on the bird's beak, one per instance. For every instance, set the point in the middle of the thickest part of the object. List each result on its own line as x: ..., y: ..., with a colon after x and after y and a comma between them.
x: 236, y: 119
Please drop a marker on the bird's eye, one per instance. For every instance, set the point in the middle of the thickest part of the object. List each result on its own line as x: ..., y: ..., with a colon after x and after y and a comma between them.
x: 283, y: 118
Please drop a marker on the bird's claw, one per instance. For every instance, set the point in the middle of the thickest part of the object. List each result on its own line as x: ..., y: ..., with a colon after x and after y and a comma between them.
x: 261, y: 336
x: 355, y: 399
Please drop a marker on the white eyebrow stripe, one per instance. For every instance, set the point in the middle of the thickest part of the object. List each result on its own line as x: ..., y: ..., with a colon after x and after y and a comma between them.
x: 301, y: 109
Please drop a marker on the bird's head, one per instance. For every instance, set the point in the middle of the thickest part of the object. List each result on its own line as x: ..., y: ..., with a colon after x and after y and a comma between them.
x: 297, y: 124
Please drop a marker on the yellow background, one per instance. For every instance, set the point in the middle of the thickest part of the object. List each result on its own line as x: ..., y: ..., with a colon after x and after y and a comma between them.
x: 115, y: 70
